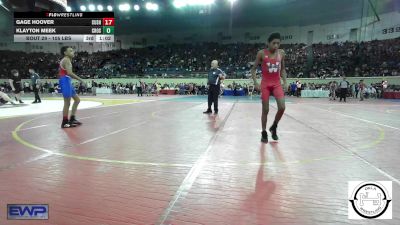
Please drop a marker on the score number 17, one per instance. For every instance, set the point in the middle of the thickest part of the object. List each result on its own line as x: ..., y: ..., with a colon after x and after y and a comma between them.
x: 108, y: 21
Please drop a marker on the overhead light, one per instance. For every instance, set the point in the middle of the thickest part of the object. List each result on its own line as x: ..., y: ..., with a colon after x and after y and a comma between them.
x: 83, y: 8
x: 183, y: 3
x: 149, y: 5
x: 232, y: 1
x: 155, y: 7
x: 179, y: 3
x: 136, y: 7
x: 124, y: 7
x: 109, y: 8
x: 68, y: 9
x: 152, y: 6
x: 92, y: 7
x: 100, y: 8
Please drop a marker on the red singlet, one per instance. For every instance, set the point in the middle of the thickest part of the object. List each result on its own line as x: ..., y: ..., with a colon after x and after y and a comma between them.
x: 271, y: 76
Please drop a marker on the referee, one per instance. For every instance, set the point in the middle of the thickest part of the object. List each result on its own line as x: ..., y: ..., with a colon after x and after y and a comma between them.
x: 35, y: 85
x: 214, y: 81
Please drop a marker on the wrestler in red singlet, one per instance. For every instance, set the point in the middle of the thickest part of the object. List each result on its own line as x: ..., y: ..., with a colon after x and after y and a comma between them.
x: 273, y: 69
x: 61, y: 71
x: 271, y: 75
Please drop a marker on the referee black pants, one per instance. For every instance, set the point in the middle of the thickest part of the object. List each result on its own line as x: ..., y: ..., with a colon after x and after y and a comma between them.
x: 36, y: 91
x: 343, y: 93
x: 213, y: 93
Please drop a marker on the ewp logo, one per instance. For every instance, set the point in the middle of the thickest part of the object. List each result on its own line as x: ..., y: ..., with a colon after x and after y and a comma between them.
x: 27, y: 212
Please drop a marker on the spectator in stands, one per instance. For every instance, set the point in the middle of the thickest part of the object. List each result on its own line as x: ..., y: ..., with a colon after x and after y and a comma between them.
x: 357, y: 89
x: 140, y: 88
x: 293, y: 88
x: 299, y: 87
x: 16, y: 85
x: 157, y: 88
x: 373, y: 58
x: 332, y: 90
x: 353, y: 90
x: 372, y: 92
x: 361, y: 86
x: 35, y: 85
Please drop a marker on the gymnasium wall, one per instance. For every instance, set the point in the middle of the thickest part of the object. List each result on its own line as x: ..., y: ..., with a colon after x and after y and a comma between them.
x: 325, y: 33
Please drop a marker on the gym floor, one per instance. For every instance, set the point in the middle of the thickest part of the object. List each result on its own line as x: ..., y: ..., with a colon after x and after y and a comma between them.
x: 159, y: 160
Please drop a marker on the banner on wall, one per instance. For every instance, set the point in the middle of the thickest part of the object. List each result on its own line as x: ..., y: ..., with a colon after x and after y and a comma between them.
x: 391, y: 30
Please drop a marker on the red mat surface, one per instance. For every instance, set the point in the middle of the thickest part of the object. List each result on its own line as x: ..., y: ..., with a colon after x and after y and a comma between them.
x: 164, y: 162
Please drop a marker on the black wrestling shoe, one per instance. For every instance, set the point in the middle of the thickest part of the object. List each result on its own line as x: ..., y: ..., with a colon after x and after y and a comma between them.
x: 272, y: 129
x: 207, y: 111
x: 264, y: 136
x: 74, y: 121
x: 67, y: 124
x: 21, y: 102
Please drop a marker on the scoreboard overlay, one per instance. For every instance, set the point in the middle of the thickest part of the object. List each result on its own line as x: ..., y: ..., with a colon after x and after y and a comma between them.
x: 64, y: 26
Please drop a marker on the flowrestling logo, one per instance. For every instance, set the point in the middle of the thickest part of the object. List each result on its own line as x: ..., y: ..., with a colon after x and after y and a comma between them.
x: 27, y: 212
x: 370, y: 200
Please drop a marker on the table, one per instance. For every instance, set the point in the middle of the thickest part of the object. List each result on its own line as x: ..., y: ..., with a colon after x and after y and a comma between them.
x: 103, y: 91
x: 314, y: 94
x: 230, y: 92
x: 167, y: 92
x: 392, y: 95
